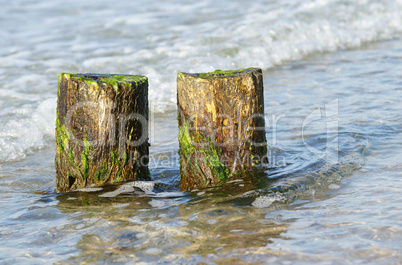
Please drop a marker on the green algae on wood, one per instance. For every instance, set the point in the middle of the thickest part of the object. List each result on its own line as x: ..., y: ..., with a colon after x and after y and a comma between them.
x: 219, y: 72
x: 99, y: 135
x: 221, y: 125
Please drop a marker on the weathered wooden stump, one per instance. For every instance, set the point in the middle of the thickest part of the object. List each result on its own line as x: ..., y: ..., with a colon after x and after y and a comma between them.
x: 101, y: 130
x: 221, y: 125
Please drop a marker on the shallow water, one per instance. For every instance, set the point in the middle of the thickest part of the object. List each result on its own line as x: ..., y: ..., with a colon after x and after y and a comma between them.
x: 333, y: 89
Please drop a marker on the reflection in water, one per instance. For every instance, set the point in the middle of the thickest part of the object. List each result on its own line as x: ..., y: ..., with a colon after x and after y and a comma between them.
x: 304, y: 209
x: 145, y: 221
x: 136, y: 226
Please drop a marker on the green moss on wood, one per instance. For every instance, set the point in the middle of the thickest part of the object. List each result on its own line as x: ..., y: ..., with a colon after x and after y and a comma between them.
x: 71, y: 155
x: 217, y: 95
x: 185, y: 140
x: 84, y: 158
x: 62, y: 136
x: 190, y: 145
x: 79, y: 164
x: 180, y: 75
x: 219, y: 72
x: 65, y: 75
x: 119, y: 164
x: 114, y: 80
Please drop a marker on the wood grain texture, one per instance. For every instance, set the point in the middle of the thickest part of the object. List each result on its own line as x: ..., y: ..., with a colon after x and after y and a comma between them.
x: 221, y: 125
x: 101, y: 130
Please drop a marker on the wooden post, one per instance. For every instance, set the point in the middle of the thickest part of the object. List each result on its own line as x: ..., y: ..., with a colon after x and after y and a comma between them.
x: 101, y: 130
x: 221, y: 125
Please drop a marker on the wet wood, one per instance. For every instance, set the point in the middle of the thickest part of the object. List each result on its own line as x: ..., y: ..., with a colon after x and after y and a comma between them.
x: 101, y: 130
x: 221, y: 126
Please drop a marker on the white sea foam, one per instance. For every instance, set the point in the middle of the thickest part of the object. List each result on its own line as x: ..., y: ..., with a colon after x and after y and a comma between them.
x: 159, y: 41
x: 27, y: 128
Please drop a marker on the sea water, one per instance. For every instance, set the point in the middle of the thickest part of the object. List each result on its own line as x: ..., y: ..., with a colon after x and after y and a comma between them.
x: 333, y: 90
